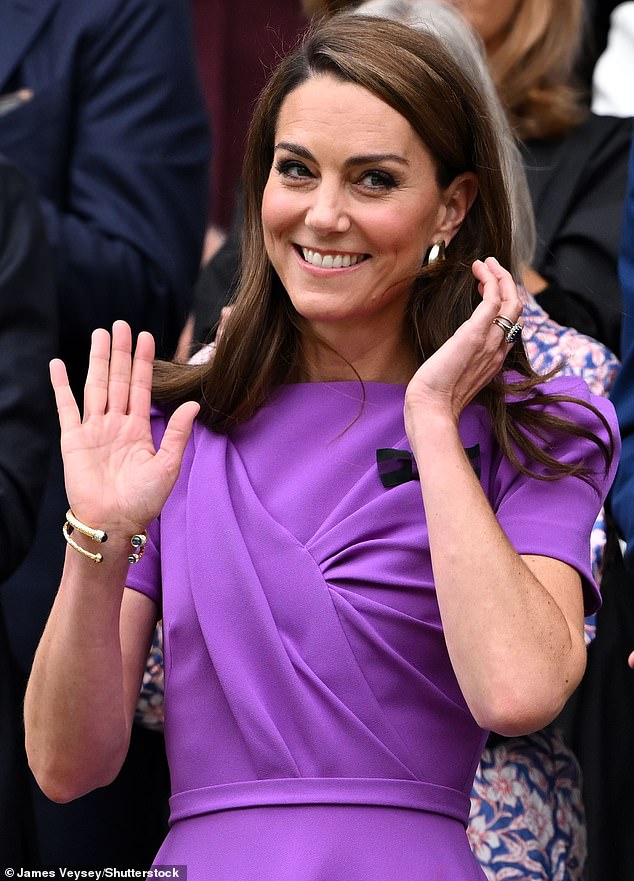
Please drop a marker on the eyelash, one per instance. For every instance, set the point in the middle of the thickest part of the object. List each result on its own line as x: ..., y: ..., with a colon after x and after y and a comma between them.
x: 285, y: 166
x: 386, y: 181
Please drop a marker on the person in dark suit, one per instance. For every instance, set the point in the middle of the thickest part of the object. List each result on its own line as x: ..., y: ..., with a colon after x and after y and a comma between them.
x: 28, y: 339
x: 623, y: 394
x: 100, y: 107
x: 605, y: 715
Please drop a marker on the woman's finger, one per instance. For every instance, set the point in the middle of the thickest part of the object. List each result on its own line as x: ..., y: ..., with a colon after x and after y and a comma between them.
x: 511, y: 303
x: 96, y: 387
x: 501, y: 304
x: 120, y: 368
x: 176, y: 436
x: 141, y: 382
x: 67, y: 409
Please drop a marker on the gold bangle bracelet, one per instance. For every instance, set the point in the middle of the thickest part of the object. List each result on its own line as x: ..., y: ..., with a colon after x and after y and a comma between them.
x: 66, y: 529
x: 94, y: 534
x: 138, y: 540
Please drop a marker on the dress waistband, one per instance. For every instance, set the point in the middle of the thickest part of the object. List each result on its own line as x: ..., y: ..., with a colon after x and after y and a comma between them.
x: 412, y: 794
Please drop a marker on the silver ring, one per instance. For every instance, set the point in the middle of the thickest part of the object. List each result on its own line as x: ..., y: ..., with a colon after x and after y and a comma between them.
x: 513, y: 334
x: 503, y: 323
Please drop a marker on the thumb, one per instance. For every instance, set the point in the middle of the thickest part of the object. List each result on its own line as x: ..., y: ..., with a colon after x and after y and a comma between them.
x: 177, y: 433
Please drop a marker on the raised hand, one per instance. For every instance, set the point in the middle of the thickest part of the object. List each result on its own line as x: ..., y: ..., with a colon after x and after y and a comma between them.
x: 467, y: 362
x: 115, y: 479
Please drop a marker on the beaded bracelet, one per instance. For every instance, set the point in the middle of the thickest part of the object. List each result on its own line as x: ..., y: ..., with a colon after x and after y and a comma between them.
x: 138, y: 540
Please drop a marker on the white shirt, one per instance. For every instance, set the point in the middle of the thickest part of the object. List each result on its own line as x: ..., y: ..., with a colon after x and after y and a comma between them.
x: 613, y: 78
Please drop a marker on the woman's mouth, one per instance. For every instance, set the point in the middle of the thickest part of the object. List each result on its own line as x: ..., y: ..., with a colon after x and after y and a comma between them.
x: 330, y: 259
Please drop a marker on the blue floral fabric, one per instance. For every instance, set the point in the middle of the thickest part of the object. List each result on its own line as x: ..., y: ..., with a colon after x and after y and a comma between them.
x: 149, y: 708
x: 527, y: 819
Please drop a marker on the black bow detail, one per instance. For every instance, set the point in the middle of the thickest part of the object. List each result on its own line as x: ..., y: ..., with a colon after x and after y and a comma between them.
x: 399, y: 466
x: 395, y: 467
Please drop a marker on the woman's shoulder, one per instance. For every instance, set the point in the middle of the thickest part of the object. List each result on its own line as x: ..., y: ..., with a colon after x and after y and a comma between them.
x: 592, y: 435
x: 567, y: 392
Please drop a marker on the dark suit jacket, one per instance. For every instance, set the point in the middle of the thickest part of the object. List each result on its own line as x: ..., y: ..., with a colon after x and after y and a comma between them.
x: 115, y: 139
x: 577, y: 185
x: 28, y: 338
x: 622, y: 497
x: 601, y: 724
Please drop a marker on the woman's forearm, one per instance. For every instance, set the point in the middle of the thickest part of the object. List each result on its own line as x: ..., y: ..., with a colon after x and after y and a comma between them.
x: 77, y: 717
x: 510, y: 622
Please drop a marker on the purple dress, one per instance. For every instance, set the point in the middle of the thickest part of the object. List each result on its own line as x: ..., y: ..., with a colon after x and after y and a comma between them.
x: 314, y: 726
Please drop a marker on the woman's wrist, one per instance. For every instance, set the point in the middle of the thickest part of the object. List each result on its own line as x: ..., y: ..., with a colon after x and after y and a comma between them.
x: 425, y: 424
x: 89, y: 541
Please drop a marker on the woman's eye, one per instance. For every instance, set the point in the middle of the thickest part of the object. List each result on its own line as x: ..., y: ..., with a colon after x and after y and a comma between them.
x: 292, y: 169
x: 378, y: 180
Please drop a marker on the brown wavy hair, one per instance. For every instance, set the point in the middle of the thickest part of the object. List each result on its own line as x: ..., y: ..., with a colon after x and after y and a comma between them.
x: 533, y: 68
x: 261, y: 345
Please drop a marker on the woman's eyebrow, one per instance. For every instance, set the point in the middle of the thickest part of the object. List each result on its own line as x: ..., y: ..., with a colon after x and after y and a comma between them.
x: 295, y: 148
x: 371, y: 158
x: 365, y: 159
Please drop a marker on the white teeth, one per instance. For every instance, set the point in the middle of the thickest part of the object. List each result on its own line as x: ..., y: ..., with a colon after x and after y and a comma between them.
x: 328, y: 261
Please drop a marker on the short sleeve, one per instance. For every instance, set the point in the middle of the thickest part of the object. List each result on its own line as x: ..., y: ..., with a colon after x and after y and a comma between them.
x: 145, y: 576
x: 555, y: 518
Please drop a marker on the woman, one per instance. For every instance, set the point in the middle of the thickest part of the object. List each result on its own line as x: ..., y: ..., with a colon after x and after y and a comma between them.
x: 360, y: 474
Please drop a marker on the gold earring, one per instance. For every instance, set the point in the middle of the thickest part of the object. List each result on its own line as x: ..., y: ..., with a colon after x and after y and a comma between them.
x: 436, y: 253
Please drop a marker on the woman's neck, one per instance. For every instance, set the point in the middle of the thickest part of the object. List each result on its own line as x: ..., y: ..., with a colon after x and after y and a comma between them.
x: 328, y: 356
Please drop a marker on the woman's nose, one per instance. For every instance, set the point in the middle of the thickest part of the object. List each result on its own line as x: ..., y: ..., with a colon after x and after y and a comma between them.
x: 327, y: 212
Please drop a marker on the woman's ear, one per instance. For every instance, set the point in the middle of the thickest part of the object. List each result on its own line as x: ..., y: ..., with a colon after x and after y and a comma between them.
x: 458, y: 198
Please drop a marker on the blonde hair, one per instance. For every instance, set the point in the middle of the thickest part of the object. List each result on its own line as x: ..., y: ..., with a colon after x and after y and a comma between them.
x: 533, y: 68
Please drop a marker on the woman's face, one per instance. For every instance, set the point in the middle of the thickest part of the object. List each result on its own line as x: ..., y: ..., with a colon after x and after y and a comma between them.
x: 351, y: 206
x: 491, y: 18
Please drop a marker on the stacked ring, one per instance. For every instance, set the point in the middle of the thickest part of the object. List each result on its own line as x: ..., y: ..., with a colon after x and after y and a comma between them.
x: 512, y: 329
x: 513, y: 334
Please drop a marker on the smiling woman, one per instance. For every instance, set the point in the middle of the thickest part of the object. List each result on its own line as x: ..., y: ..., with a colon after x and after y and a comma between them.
x: 352, y: 205
x: 365, y: 478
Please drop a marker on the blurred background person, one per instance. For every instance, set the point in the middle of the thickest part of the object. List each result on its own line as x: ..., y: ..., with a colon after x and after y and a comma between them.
x: 100, y: 107
x: 613, y: 777
x: 28, y: 339
x: 576, y: 162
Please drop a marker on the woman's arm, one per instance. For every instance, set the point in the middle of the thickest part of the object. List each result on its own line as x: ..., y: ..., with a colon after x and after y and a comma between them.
x: 513, y: 625
x: 86, y: 678
x: 97, y: 631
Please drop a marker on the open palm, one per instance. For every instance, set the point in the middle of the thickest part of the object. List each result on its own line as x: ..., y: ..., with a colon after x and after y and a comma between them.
x: 115, y: 479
